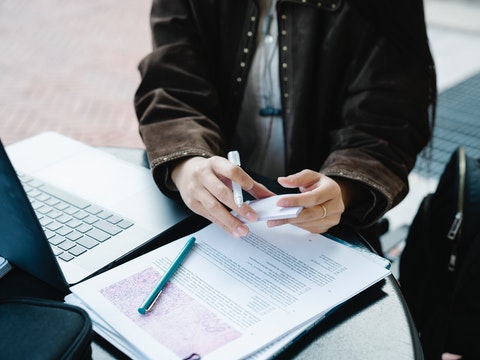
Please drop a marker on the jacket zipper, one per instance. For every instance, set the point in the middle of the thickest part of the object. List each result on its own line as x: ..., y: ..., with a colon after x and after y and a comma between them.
x: 455, y: 231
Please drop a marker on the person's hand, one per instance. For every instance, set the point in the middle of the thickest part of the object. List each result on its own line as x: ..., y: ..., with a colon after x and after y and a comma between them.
x: 205, y: 187
x: 322, y: 199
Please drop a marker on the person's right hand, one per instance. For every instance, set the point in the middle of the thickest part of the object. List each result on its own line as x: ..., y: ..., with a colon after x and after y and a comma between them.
x: 205, y: 187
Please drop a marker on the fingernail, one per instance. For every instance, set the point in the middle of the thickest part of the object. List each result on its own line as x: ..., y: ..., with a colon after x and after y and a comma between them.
x: 242, y: 230
x: 250, y: 216
x: 275, y: 223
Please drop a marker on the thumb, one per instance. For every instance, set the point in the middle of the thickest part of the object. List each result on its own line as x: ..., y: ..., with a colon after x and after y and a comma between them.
x: 302, y: 179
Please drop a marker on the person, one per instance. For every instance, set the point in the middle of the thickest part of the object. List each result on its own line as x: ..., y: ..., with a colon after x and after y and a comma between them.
x: 334, y: 99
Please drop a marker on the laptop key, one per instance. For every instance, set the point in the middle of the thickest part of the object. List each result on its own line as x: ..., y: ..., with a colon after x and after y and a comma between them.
x: 54, y: 213
x: 54, y: 226
x: 94, y: 210
x: 56, y: 239
x: 98, y: 234
x: 87, y: 242
x: 90, y: 219
x: 71, y: 210
x: 44, y: 221
x: 52, y: 201
x: 56, y: 251
x: 64, y: 218
x: 125, y: 224
x: 74, y: 236
x: 44, y: 209
x: 64, y: 230
x: 73, y: 223
x: 65, y: 256
x: 80, y: 214
x: 77, y: 250
x: 83, y: 228
x: 63, y: 206
x: 43, y: 198
x: 49, y: 234
x: 107, y: 227
x: 114, y: 219
x: 66, y: 245
x: 104, y: 214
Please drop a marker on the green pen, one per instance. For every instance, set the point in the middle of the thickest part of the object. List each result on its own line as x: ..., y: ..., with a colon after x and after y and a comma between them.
x: 157, y: 290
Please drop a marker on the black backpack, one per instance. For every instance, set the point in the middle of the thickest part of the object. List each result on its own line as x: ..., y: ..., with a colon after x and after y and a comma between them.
x: 440, y: 264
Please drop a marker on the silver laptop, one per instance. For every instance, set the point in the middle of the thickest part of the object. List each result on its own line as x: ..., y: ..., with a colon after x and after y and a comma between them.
x: 79, y: 205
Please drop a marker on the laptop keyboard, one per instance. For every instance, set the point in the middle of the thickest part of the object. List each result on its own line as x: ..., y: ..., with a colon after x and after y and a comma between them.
x: 457, y: 123
x: 72, y: 225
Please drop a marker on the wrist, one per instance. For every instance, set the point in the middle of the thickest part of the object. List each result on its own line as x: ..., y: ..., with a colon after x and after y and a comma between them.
x: 176, y: 167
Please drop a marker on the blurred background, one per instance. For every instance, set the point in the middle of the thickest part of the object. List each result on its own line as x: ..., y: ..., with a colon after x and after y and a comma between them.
x: 71, y: 66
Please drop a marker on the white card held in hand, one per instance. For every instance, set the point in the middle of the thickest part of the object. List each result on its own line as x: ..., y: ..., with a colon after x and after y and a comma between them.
x: 267, y: 209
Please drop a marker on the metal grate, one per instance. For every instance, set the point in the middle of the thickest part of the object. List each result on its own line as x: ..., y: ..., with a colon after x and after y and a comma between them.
x: 457, y: 123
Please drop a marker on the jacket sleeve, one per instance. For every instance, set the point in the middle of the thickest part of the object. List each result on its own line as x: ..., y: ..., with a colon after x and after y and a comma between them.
x: 386, y: 117
x: 176, y: 102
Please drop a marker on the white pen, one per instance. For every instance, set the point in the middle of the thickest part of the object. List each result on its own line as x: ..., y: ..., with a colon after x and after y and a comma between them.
x: 234, y: 158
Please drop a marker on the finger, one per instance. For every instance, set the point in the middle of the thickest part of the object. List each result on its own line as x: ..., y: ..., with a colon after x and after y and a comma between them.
x: 214, y: 211
x: 223, y: 195
x: 314, y: 219
x: 323, y: 191
x: 203, y: 192
x: 307, y: 199
x: 225, y: 169
x: 260, y: 191
x: 229, y: 172
x: 317, y: 227
x: 232, y: 225
x: 327, y: 211
x: 303, y: 179
x: 235, y: 173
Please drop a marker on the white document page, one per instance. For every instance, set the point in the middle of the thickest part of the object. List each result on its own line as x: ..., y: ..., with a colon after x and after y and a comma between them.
x: 230, y: 297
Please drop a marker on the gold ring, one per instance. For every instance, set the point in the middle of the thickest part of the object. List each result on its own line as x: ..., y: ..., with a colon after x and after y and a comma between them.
x: 324, y: 212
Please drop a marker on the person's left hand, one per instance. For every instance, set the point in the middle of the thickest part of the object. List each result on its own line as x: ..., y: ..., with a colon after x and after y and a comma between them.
x: 321, y: 197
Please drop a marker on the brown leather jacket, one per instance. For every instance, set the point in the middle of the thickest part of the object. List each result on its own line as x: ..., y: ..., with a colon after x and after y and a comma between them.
x: 356, y: 91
